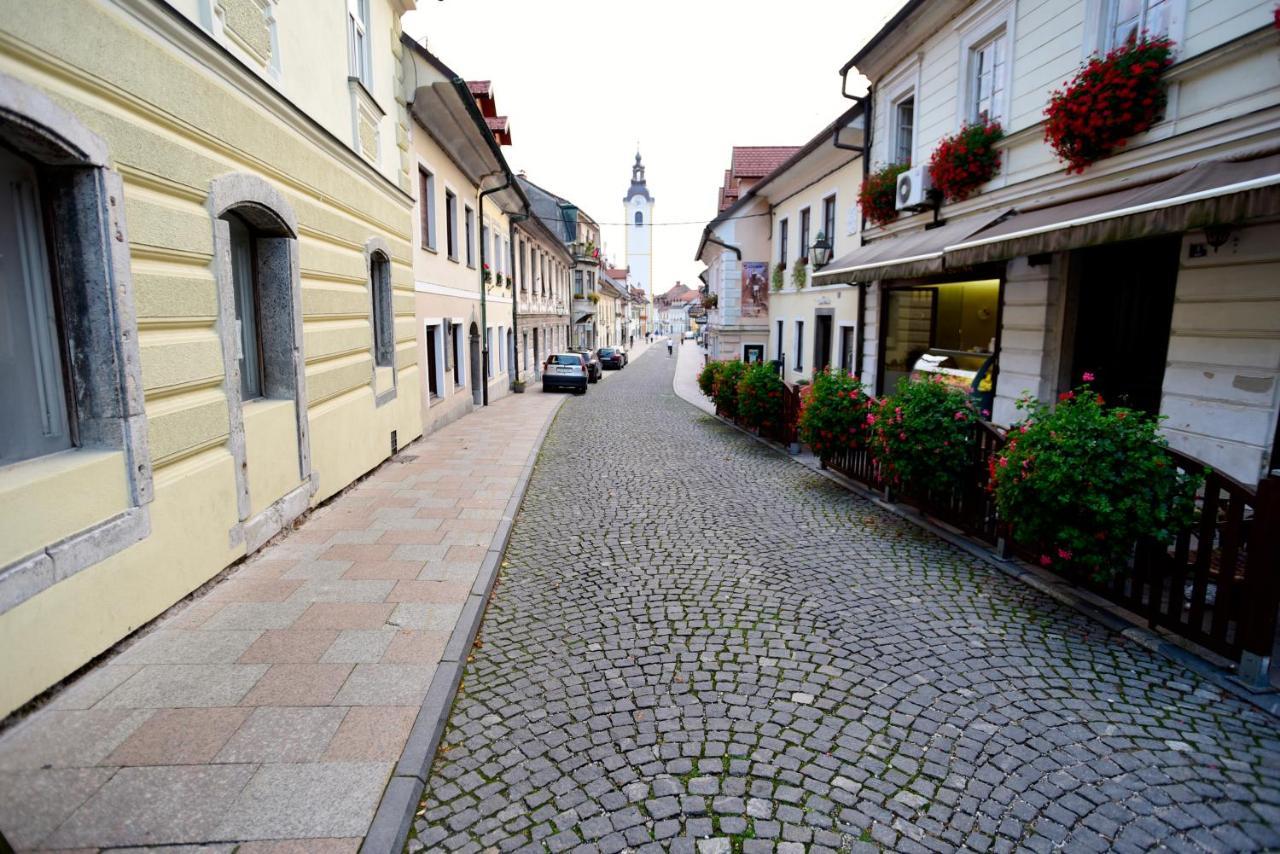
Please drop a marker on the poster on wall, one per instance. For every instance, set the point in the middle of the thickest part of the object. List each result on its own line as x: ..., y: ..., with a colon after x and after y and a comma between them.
x: 755, y: 289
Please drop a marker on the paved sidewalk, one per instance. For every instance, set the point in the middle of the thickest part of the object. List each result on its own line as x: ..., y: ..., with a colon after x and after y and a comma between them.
x: 690, y: 359
x: 275, y: 706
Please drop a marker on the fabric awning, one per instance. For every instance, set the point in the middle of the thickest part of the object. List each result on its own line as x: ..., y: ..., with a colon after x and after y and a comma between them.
x: 1215, y: 193
x: 918, y: 253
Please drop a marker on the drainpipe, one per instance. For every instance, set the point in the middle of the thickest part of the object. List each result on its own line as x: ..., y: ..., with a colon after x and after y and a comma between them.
x: 484, y: 310
x: 512, y: 219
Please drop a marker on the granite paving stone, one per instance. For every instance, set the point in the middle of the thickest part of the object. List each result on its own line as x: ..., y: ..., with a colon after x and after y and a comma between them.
x: 750, y: 656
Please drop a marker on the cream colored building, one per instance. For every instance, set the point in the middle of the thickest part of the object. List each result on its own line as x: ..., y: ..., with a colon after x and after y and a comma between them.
x: 463, y: 269
x: 813, y: 326
x: 542, y: 292
x: 229, y: 208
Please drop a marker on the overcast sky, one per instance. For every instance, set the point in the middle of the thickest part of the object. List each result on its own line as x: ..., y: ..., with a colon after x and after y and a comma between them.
x: 584, y: 80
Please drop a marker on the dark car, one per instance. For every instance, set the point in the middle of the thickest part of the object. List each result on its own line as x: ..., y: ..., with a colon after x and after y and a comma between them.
x: 594, y: 369
x: 565, y: 370
x: 612, y: 357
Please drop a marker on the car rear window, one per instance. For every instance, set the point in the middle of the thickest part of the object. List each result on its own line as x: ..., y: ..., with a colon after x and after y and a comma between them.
x: 607, y: 351
x: 566, y: 360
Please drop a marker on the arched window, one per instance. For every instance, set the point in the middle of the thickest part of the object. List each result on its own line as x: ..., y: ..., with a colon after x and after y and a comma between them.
x: 384, y: 335
x: 639, y: 219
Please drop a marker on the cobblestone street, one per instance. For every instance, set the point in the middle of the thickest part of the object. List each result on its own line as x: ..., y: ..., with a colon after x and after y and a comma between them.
x: 697, y: 644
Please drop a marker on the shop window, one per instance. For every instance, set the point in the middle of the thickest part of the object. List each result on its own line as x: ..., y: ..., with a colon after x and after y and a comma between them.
x: 458, y: 355
x: 947, y: 329
x: 433, y: 384
x: 847, y: 344
x: 247, y: 311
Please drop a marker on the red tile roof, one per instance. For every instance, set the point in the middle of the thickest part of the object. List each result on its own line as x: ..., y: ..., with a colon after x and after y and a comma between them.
x: 479, y: 87
x: 756, y: 161
x: 618, y: 274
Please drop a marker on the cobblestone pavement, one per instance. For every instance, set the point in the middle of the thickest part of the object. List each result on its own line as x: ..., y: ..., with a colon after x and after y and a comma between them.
x: 696, y: 644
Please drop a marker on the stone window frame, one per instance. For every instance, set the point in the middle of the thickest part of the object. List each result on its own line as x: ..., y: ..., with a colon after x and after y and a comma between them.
x: 90, y: 245
x: 382, y: 312
x: 275, y: 228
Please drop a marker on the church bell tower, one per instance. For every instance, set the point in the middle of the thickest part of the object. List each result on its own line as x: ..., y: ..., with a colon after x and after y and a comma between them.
x: 638, y: 216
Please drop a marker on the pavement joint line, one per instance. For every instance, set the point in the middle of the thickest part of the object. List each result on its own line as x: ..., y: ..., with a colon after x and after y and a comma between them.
x: 394, y: 816
x: 1060, y: 591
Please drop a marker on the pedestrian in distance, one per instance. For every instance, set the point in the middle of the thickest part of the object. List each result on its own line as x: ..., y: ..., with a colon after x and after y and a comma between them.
x: 669, y: 346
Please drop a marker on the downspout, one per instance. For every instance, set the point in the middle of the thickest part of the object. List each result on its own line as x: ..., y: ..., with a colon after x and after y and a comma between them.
x: 864, y: 150
x: 512, y: 219
x: 484, y: 289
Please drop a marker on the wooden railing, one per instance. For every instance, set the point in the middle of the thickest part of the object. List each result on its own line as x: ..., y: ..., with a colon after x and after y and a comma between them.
x: 1216, y: 582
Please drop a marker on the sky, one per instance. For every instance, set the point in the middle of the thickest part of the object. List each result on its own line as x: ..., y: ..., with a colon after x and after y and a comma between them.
x: 584, y: 81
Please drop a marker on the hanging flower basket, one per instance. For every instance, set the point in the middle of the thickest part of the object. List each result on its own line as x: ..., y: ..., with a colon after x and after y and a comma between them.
x: 487, y: 275
x: 877, y: 198
x: 800, y: 273
x: 966, y: 160
x: 1111, y: 99
x: 777, y: 279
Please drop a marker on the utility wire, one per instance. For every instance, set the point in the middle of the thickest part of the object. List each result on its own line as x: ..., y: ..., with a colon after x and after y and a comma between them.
x: 544, y: 219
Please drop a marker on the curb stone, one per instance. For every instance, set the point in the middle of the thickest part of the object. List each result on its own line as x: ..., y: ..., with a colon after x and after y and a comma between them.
x: 394, y: 816
x: 1060, y: 591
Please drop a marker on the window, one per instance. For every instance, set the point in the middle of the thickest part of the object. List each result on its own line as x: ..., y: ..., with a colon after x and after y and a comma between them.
x: 33, y: 420
x: 245, y: 291
x: 457, y: 354
x: 577, y: 284
x: 847, y: 343
x: 639, y: 219
x: 488, y: 352
x: 782, y: 243
x: 358, y: 41
x: 987, y: 70
x: 433, y: 386
x: 469, y: 217
x: 781, y: 332
x: 904, y: 125
x: 384, y: 336
x: 829, y: 220
x: 799, y: 346
x: 804, y: 233
x: 451, y: 225
x: 427, y: 208
x: 524, y: 266
x: 1127, y: 19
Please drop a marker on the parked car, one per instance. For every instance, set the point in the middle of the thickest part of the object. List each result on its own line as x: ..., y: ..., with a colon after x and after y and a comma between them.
x: 688, y: 336
x: 612, y: 357
x: 594, y: 369
x: 565, y: 370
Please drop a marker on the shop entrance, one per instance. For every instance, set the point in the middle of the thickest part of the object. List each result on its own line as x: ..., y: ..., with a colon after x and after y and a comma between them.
x: 1123, y: 310
x: 946, y: 329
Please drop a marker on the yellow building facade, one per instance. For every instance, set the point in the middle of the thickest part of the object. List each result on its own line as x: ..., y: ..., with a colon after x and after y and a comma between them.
x: 231, y: 336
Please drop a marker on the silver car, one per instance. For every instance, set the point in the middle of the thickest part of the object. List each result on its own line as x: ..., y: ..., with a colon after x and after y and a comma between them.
x: 565, y: 370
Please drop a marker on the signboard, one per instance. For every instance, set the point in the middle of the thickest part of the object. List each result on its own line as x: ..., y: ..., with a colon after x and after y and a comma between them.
x: 755, y: 289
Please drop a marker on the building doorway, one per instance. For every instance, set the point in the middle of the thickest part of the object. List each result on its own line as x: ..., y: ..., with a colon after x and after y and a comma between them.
x: 477, y: 372
x: 433, y: 385
x: 1123, y: 310
x: 822, y: 321
x: 537, y: 355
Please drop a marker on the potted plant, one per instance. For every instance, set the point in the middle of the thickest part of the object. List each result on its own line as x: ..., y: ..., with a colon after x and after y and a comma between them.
x: 594, y: 296
x: 518, y: 386
x: 707, y: 377
x: 725, y: 391
x: 966, y: 160
x: 486, y: 274
x: 920, y: 436
x: 777, y: 279
x: 1081, y: 482
x: 1111, y: 99
x: 833, y: 413
x: 878, y: 195
x: 760, y: 397
x: 710, y: 300
x: 800, y: 273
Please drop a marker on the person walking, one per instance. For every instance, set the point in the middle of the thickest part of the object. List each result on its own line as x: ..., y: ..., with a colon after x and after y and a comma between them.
x: 669, y: 346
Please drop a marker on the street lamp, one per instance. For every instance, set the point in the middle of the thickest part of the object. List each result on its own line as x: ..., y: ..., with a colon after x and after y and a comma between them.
x: 821, y: 251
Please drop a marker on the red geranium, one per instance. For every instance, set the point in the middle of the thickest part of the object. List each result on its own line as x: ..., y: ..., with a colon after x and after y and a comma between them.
x: 879, y: 193
x: 1112, y: 98
x: 965, y: 161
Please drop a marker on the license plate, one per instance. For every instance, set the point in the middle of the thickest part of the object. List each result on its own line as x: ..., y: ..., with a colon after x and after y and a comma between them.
x: 562, y: 369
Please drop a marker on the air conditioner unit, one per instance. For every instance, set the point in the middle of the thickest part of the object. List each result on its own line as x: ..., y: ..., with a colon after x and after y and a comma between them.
x: 913, y: 189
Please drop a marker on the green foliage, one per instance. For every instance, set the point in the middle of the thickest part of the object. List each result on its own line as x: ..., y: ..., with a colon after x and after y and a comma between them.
x: 778, y: 277
x: 921, y: 436
x: 800, y: 273
x: 725, y: 390
x: 707, y: 377
x: 1082, y: 482
x: 760, y: 396
x: 877, y: 197
x: 833, y: 413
